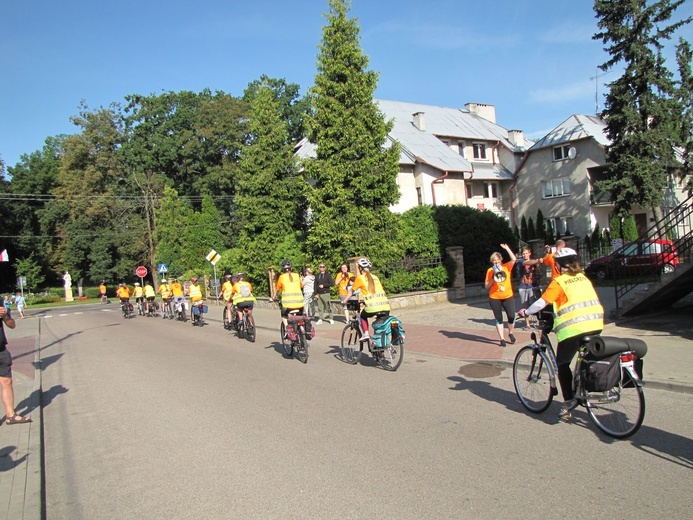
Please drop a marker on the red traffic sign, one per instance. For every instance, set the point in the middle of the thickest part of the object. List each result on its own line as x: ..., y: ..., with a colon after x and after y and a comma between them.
x: 141, y: 271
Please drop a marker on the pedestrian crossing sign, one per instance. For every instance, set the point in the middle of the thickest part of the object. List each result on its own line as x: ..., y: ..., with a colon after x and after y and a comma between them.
x: 162, y: 268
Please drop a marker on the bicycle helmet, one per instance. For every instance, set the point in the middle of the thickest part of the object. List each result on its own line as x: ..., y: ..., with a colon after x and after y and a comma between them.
x: 240, y: 276
x: 228, y: 276
x: 287, y: 265
x: 364, y: 263
x: 193, y: 279
x: 565, y: 256
x: 163, y: 280
x: 137, y: 284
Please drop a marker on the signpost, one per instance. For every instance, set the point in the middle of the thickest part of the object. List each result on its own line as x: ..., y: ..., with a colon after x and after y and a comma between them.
x: 213, y: 257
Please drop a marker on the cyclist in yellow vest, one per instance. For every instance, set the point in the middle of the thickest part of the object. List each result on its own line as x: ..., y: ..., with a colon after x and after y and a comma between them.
x: 149, y: 294
x: 578, y: 313
x: 372, y: 292
x: 165, y: 290
x: 290, y: 285
x: 227, y: 293
x: 242, y: 296
x: 195, y: 293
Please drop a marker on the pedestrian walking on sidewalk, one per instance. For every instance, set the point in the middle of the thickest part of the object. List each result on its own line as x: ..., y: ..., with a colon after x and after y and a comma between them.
x: 500, y: 292
x: 323, y: 284
x: 7, y: 391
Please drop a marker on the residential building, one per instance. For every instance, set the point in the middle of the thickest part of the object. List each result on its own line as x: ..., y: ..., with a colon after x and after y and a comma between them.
x: 559, y: 176
x: 455, y: 156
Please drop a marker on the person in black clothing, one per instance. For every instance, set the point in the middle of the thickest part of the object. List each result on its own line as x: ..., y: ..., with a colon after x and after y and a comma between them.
x: 323, y: 283
x: 11, y: 417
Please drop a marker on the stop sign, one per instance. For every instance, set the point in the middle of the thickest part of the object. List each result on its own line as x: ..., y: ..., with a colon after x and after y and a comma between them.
x: 141, y: 271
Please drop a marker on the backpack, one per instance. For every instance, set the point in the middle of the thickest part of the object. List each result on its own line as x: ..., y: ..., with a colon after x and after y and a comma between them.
x: 386, y: 331
x: 600, y: 375
x: 245, y: 291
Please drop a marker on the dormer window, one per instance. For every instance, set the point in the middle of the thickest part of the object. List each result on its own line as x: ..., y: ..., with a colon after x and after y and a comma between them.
x: 479, y: 150
x: 561, y: 152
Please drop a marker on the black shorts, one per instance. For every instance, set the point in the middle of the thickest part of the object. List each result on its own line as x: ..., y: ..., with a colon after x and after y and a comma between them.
x: 5, y: 364
x: 245, y: 305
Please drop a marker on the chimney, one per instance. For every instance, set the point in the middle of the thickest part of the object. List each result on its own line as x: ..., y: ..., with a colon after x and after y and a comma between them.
x: 419, y: 121
x: 517, y: 138
x: 488, y: 112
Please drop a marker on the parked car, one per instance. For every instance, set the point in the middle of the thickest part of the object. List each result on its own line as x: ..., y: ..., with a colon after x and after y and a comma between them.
x: 636, y: 259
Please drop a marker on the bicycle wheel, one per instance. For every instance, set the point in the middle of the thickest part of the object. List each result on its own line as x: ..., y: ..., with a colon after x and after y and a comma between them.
x: 287, y: 344
x: 350, y: 344
x: 302, y: 346
x: 250, y: 328
x: 619, y: 412
x: 391, y: 357
x: 225, y: 319
x: 532, y: 378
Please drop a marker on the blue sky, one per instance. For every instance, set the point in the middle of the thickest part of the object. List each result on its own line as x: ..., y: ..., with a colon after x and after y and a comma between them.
x: 532, y: 59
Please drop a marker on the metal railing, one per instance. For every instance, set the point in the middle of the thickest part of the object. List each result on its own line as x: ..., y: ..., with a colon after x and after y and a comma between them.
x: 661, y: 249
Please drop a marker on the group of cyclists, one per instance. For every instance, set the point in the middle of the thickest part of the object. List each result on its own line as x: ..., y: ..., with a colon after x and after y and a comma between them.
x: 237, y: 293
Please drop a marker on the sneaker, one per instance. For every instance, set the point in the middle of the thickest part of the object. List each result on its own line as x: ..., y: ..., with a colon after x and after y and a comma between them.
x: 566, y: 408
x: 319, y: 322
x: 512, y: 338
x: 502, y: 343
x: 331, y: 322
x: 365, y: 337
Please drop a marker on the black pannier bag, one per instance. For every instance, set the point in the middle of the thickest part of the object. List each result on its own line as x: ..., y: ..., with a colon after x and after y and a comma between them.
x: 602, y: 374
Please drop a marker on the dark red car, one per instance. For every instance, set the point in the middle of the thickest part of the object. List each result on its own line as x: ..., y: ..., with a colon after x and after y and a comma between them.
x: 635, y: 259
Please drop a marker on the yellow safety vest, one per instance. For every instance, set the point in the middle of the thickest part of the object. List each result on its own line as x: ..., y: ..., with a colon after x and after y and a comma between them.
x: 238, y: 296
x: 376, y: 302
x: 165, y: 291
x: 149, y: 291
x: 582, y: 313
x: 292, y: 297
x: 195, y: 292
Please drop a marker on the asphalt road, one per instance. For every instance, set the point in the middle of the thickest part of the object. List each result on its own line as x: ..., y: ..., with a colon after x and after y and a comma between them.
x: 147, y: 418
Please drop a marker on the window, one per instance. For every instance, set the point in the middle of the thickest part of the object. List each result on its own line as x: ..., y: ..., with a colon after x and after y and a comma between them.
x: 479, y: 150
x: 419, y: 197
x: 460, y: 148
x: 468, y: 186
x: 555, y: 188
x: 561, y: 225
x: 561, y: 152
x: 491, y: 190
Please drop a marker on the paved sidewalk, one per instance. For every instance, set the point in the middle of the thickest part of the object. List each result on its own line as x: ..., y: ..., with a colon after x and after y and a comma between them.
x: 21, y: 464
x: 462, y: 330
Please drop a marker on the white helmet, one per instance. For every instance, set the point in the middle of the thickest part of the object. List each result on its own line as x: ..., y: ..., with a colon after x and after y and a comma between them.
x: 565, y: 255
x: 163, y: 280
x: 364, y: 262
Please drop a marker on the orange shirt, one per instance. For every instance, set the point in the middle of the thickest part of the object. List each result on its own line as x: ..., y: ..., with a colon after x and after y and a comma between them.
x: 501, y: 290
x: 551, y: 262
x: 123, y: 292
x: 342, y: 280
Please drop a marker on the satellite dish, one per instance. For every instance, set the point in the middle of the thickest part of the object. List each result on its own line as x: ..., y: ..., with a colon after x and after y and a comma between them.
x: 572, y: 153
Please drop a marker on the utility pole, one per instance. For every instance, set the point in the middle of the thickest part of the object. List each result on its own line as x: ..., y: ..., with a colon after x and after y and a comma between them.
x: 596, y: 77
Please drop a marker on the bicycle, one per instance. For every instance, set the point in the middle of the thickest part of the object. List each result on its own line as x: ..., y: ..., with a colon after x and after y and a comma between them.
x: 295, y: 339
x: 126, y: 308
x: 152, y: 309
x: 246, y: 327
x: 167, y: 310
x: 389, y: 357
x: 140, y: 307
x: 618, y: 411
x: 229, y: 325
x: 198, y: 309
x: 181, y: 309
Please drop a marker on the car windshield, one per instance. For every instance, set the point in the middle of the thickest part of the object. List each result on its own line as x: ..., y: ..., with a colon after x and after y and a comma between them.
x: 631, y: 250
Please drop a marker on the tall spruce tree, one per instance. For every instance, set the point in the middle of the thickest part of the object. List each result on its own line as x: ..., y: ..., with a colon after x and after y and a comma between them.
x: 270, y: 192
x: 354, y: 172
x: 639, y: 109
x: 684, y: 96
